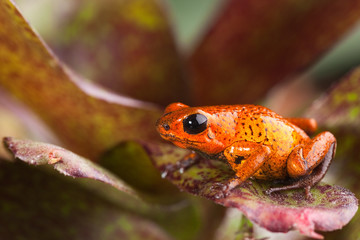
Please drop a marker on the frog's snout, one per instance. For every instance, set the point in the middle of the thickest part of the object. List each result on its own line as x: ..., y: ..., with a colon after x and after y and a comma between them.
x: 162, y: 126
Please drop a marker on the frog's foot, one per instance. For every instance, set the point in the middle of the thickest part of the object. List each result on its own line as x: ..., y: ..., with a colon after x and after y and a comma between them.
x: 307, y: 182
x: 223, y: 189
x: 188, y: 161
x: 296, y: 185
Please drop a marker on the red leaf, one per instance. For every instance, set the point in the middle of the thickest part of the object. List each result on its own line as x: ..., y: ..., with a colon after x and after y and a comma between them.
x: 135, y: 53
x: 331, y: 207
x: 255, y: 44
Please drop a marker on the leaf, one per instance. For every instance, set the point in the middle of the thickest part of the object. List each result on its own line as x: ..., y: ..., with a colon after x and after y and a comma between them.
x: 86, y: 118
x: 264, y: 43
x: 37, y: 205
x: 63, y: 161
x: 135, y: 162
x: 339, y: 111
x: 235, y: 227
x: 340, y: 108
x: 175, y: 216
x: 124, y: 61
x: 331, y: 208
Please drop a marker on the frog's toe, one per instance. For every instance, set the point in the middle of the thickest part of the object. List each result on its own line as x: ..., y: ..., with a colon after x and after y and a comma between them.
x: 269, y: 191
x: 168, y: 170
x: 220, y: 195
x: 307, y: 189
x: 223, y: 189
x: 275, y: 189
x: 220, y: 189
x: 308, y: 193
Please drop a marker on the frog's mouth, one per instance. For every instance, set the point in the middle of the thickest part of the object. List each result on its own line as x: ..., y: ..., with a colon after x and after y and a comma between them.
x: 180, y: 141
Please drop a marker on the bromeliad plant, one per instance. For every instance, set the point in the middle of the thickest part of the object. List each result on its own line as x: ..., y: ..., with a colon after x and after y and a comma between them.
x: 111, y: 141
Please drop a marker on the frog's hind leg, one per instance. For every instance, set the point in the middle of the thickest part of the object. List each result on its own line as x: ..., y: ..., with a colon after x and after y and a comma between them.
x: 309, y: 125
x: 307, y: 164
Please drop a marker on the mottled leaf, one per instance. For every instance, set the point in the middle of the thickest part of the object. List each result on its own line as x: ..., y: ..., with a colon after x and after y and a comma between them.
x: 254, y: 44
x: 331, y: 207
x: 125, y: 45
x: 87, y: 119
x: 63, y: 161
x: 182, y: 212
x: 339, y: 111
x: 37, y: 205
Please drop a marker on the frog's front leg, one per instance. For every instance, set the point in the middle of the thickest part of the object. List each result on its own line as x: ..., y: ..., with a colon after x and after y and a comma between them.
x: 309, y: 162
x: 245, y: 158
x: 185, y: 163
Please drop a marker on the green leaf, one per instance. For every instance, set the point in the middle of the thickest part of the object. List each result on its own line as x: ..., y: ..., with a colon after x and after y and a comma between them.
x: 37, y: 205
x: 74, y: 109
x: 253, y: 45
x: 9, y: 126
x: 130, y: 161
x: 235, y: 227
x: 331, y: 208
x: 126, y: 46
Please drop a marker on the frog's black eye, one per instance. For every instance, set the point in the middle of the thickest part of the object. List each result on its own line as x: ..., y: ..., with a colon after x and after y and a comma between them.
x: 195, y: 123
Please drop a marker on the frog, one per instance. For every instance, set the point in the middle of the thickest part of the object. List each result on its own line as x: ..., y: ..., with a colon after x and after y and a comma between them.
x: 254, y: 141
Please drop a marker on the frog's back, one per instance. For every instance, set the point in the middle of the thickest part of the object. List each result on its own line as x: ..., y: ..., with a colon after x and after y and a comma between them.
x: 261, y: 125
x: 256, y: 124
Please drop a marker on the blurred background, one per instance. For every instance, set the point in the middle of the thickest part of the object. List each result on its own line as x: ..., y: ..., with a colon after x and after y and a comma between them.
x: 190, y: 20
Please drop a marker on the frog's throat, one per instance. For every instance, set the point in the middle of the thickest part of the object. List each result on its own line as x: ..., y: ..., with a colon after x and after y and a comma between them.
x: 217, y: 156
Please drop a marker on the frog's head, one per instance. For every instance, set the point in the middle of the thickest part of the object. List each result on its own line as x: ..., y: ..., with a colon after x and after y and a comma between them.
x: 188, y: 127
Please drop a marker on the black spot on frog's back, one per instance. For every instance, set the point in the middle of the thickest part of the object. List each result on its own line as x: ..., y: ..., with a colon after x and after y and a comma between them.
x: 239, y: 159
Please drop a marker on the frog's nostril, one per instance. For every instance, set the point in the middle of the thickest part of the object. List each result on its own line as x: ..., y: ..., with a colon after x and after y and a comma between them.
x: 166, y: 127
